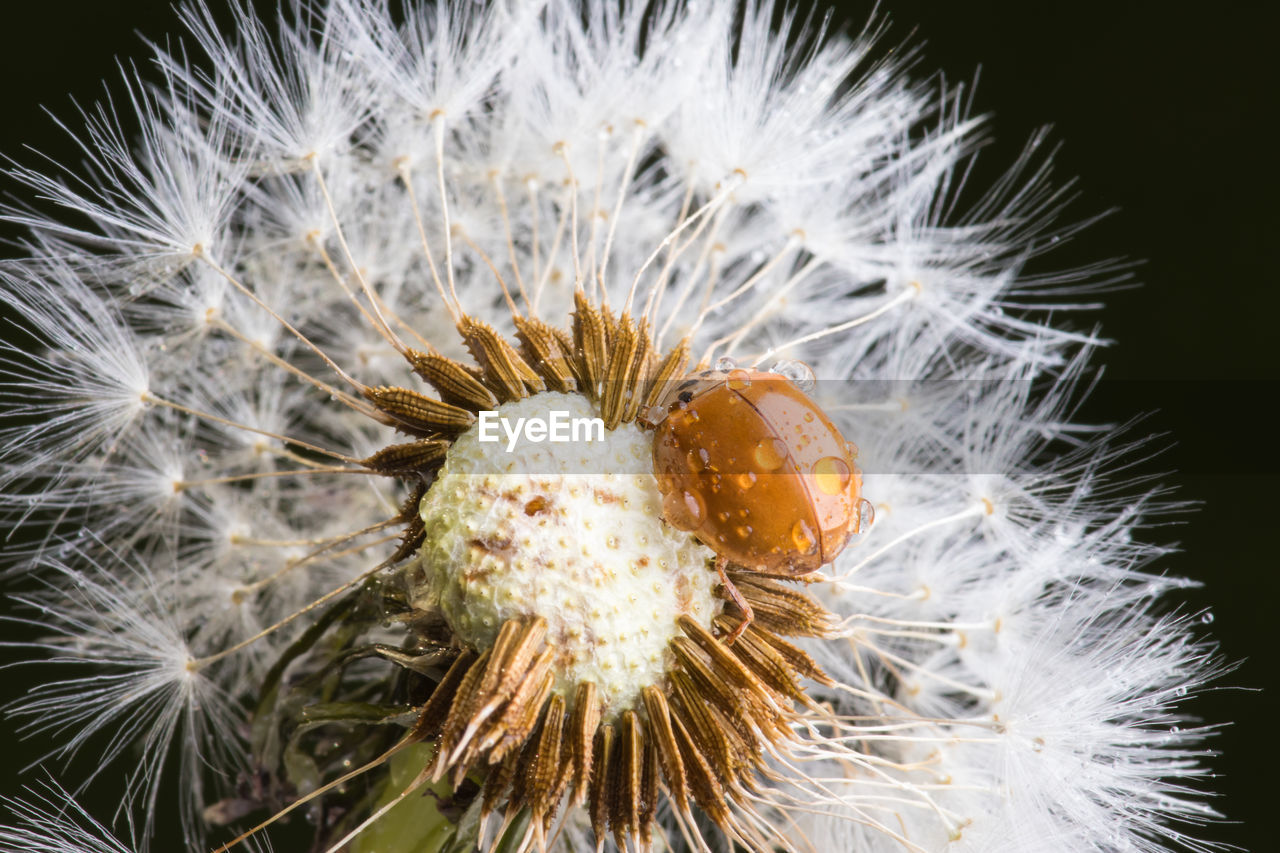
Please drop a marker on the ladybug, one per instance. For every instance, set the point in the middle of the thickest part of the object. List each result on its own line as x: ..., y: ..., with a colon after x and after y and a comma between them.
x: 752, y: 466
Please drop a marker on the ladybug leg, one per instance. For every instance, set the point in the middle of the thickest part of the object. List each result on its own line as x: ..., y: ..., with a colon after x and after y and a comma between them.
x: 736, y: 596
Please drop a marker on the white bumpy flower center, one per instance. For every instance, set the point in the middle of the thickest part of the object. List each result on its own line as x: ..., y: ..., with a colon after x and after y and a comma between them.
x: 571, y: 531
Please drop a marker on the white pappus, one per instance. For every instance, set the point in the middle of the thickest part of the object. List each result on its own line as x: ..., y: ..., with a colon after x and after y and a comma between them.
x: 203, y: 471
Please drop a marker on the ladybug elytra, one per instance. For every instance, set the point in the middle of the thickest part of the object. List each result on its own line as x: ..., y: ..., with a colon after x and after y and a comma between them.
x: 752, y: 466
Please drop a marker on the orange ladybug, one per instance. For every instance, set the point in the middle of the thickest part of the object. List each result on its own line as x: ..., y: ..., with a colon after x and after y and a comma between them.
x: 755, y: 469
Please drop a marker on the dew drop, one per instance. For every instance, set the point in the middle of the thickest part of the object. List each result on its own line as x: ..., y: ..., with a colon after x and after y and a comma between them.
x: 684, y: 510
x: 738, y: 379
x: 802, y: 537
x: 746, y: 480
x: 1206, y: 618
x: 652, y: 415
x: 866, y: 515
x: 797, y: 373
x: 770, y: 453
x: 724, y: 364
x: 832, y: 475
x: 744, y: 531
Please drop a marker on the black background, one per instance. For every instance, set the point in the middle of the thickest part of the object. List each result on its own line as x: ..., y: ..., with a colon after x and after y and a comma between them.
x: 1165, y: 113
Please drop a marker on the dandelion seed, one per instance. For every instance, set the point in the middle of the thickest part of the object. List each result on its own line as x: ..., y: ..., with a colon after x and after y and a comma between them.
x: 54, y: 823
x: 271, y: 524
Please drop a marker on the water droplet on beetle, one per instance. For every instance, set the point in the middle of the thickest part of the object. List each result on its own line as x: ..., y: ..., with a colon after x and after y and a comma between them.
x: 724, y: 364
x: 738, y: 379
x: 832, y: 474
x: 866, y: 515
x: 684, y: 510
x: 803, y: 538
x: 770, y: 453
x: 797, y: 373
x: 652, y: 415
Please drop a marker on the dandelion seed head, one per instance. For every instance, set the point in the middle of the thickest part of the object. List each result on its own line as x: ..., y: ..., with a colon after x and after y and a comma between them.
x: 249, y: 439
x: 542, y: 532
